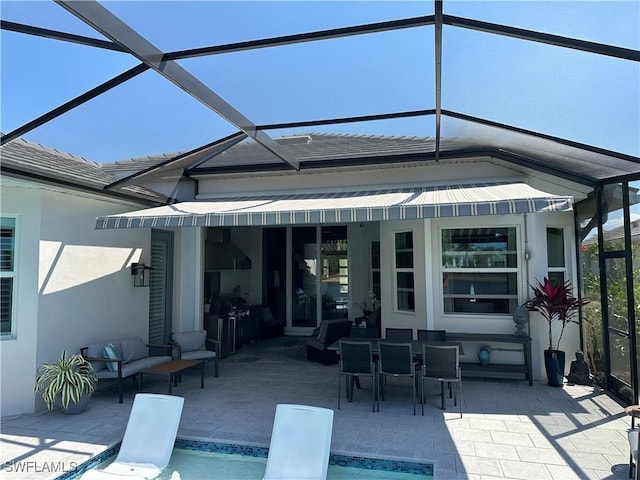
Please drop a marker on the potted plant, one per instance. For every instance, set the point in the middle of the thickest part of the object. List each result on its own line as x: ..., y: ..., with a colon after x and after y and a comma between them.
x: 71, y: 379
x: 555, y: 303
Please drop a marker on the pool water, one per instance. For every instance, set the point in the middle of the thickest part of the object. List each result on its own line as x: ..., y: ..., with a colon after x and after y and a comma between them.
x: 197, y: 460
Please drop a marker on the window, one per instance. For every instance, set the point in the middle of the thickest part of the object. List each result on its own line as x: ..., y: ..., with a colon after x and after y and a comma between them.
x: 480, y: 270
x: 405, y: 291
x: 335, y: 272
x: 7, y: 273
x: 555, y: 255
x: 375, y: 269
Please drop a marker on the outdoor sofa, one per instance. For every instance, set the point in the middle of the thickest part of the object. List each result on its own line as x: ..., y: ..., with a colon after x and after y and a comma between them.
x: 115, y: 360
x: 329, y: 331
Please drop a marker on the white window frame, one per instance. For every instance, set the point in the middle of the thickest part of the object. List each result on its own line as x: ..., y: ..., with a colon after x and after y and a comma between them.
x: 397, y: 270
x: 374, y: 270
x: 459, y: 269
x: 13, y: 274
x: 562, y: 269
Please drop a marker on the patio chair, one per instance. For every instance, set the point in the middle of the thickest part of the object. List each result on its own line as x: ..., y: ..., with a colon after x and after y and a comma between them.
x: 396, y: 359
x: 399, y: 334
x: 356, y: 360
x: 300, y: 443
x: 442, y: 364
x: 148, y: 439
x: 432, y: 335
x: 192, y: 345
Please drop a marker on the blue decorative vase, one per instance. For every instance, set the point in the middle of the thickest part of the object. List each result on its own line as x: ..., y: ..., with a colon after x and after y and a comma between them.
x: 484, y: 355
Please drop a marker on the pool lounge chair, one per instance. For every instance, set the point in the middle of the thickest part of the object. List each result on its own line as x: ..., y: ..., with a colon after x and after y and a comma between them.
x: 300, y: 443
x: 148, y: 439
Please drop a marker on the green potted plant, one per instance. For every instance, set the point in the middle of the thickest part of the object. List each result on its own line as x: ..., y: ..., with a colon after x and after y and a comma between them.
x: 71, y: 379
x: 555, y: 302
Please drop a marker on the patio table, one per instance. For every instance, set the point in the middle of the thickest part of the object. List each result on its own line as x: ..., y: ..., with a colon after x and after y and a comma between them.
x: 171, y: 369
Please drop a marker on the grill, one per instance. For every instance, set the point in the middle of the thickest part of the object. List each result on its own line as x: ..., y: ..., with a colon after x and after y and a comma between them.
x: 227, y: 324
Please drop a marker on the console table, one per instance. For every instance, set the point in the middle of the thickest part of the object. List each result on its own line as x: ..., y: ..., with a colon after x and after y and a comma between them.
x: 496, y: 369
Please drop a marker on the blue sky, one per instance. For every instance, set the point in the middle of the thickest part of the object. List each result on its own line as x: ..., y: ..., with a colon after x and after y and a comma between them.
x: 566, y: 93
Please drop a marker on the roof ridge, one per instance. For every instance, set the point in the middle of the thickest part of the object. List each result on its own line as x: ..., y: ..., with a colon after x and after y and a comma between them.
x: 156, y: 156
x: 368, y: 136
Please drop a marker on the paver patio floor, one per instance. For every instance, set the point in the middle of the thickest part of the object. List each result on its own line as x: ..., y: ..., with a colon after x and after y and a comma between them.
x: 509, y: 430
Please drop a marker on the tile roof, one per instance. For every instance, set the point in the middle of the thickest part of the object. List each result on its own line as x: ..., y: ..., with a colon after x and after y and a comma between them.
x: 22, y: 158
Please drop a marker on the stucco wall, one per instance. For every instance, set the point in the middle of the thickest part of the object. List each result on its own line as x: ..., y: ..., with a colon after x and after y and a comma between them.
x: 75, y: 284
x: 537, y: 267
x: 18, y: 353
x: 428, y: 281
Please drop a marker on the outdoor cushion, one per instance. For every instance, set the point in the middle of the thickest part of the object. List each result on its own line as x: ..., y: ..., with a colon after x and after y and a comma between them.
x: 191, y: 341
x: 95, y: 350
x: 110, y: 351
x: 133, y: 348
x: 198, y: 355
x: 134, y: 367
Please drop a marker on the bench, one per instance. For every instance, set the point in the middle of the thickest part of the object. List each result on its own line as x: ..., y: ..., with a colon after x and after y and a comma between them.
x: 500, y: 370
x: 132, y: 355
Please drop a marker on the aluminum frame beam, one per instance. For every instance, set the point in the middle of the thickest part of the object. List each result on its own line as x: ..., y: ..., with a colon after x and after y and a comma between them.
x: 532, y: 35
x: 102, y: 20
x: 531, y: 133
x: 71, y: 104
x: 336, y: 121
x: 438, y: 73
x: 303, y: 37
x: 187, y: 160
x: 56, y: 35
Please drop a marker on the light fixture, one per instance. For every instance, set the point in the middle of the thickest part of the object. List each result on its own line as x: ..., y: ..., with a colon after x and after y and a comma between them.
x: 140, y: 277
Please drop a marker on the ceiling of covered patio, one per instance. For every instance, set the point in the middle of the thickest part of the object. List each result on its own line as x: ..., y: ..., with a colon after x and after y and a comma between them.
x: 556, y: 90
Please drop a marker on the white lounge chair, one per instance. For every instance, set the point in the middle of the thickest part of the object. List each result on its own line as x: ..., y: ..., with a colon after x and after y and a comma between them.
x: 148, y: 439
x: 300, y: 443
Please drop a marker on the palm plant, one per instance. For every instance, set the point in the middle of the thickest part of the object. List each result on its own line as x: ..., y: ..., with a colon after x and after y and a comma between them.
x: 555, y: 303
x: 68, y: 377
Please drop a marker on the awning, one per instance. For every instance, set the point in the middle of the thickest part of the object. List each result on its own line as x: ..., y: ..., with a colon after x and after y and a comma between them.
x: 344, y: 207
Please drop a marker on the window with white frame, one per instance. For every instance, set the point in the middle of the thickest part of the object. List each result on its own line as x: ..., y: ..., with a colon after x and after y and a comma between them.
x: 556, y: 264
x: 405, y: 289
x: 7, y: 274
x: 480, y: 270
x: 375, y: 270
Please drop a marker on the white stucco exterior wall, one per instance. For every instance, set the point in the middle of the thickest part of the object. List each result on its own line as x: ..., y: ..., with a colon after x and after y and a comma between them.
x: 75, y: 285
x: 537, y: 265
x: 188, y: 274
x: 18, y: 352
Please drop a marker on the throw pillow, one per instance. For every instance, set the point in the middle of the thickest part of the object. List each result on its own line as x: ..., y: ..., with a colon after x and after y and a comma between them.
x: 110, y: 351
x: 133, y: 348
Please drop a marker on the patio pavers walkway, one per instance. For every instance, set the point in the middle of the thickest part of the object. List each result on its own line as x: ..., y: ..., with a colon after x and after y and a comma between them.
x: 509, y: 429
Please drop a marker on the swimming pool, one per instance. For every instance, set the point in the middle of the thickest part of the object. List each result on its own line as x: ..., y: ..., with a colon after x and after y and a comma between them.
x: 196, y: 460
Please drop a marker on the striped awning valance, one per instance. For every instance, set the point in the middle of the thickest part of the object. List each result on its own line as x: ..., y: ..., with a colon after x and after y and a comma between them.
x: 345, y: 207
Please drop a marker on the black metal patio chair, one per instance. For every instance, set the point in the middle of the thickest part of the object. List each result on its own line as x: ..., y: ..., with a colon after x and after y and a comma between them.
x: 396, y: 360
x: 356, y: 361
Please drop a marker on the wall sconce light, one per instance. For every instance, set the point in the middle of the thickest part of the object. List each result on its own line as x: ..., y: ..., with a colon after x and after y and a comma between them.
x: 140, y: 276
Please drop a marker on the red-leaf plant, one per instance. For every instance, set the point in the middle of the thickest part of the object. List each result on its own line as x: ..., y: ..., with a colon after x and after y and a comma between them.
x: 555, y: 302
